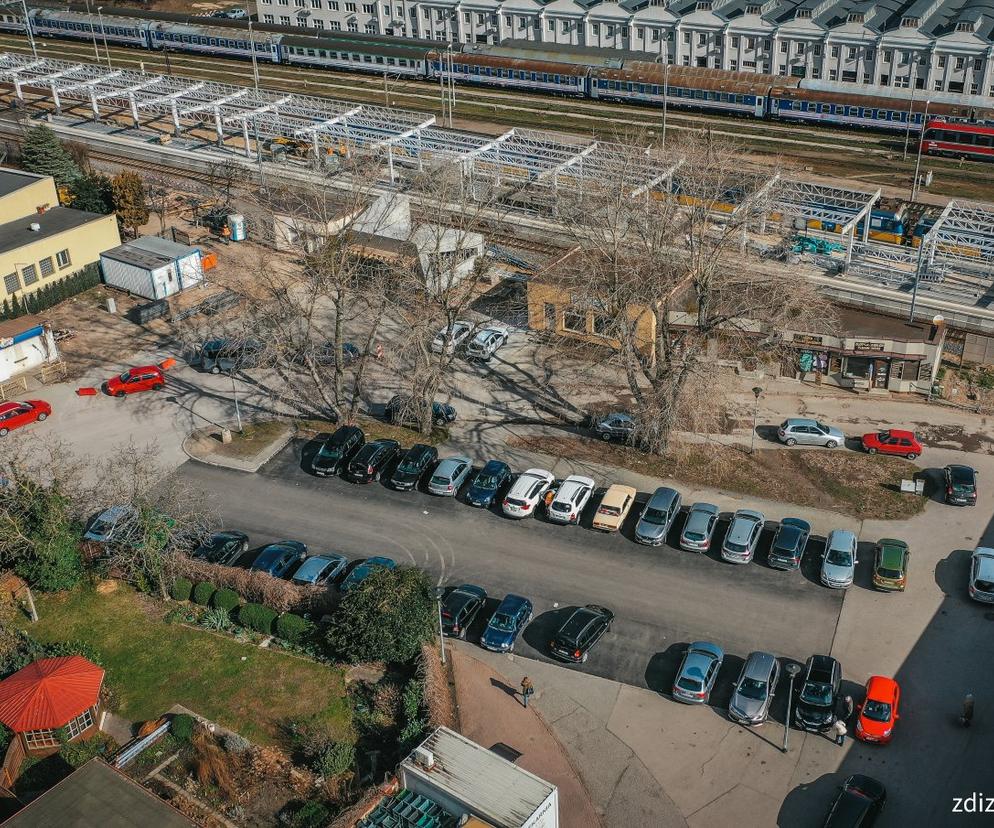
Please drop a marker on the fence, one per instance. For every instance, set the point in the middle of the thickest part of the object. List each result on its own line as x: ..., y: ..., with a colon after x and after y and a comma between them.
x: 53, y: 372
x: 12, y: 389
x: 11, y: 764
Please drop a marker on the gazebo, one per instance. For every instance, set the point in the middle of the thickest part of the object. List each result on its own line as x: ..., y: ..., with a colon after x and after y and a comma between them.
x: 49, y: 694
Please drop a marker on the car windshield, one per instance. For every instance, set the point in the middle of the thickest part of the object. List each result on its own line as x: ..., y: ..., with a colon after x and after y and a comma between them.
x: 883, y: 572
x: 687, y: 683
x: 125, y: 376
x: 502, y: 622
x: 514, y: 501
x: 822, y: 427
x: 330, y: 451
x: 883, y: 436
x: 613, y: 511
x: 816, y: 693
x: 878, y: 711
x: 984, y: 586
x: 558, y: 506
x: 408, y: 466
x: 488, y: 482
x: 654, y: 516
x: 840, y: 557
x: 752, y: 689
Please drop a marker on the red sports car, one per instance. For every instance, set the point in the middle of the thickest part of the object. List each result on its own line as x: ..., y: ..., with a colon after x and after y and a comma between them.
x: 16, y: 414
x: 878, y: 713
x: 893, y: 441
x: 144, y: 378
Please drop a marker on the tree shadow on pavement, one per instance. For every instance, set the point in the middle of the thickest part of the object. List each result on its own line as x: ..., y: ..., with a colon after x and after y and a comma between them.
x: 806, y: 802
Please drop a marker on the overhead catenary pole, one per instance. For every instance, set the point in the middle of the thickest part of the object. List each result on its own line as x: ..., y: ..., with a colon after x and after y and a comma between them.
x: 911, y: 117
x: 255, y: 62
x: 918, y: 160
x: 93, y: 32
x: 27, y: 28
x: 103, y: 32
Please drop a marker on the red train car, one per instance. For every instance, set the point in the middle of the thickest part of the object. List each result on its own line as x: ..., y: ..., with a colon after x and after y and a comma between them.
x: 958, y: 140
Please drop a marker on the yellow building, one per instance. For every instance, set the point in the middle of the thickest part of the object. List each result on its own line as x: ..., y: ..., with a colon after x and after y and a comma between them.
x: 41, y: 242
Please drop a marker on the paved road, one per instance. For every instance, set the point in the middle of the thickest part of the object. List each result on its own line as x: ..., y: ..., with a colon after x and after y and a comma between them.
x: 662, y: 597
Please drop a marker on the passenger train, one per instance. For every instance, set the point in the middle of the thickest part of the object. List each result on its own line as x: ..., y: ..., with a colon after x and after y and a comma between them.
x: 960, y: 125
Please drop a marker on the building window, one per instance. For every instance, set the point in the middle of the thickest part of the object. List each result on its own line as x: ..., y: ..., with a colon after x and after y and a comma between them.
x: 425, y: 13
x: 735, y: 42
x: 978, y: 64
x: 784, y: 45
x: 799, y: 49
x: 574, y: 321
x: 565, y: 26
x: 315, y: 4
x: 479, y: 19
x: 835, y: 51
x: 353, y: 25
x: 29, y: 274
x: 318, y: 23
x: 298, y: 3
x: 959, y: 64
x: 851, y: 54
x: 655, y: 35
x: 937, y: 86
x: 335, y: 25
x: 750, y: 43
x: 602, y: 325
x: 702, y: 39
x: 942, y: 61
x: 11, y: 282
x: 686, y: 38
x: 36, y: 739
x: 371, y: 28
x: 46, y: 266
x: 595, y: 28
x: 640, y: 32
x: 80, y: 724
x: 610, y: 30
x: 833, y: 74
x: 268, y: 18
x: 974, y: 88
x: 368, y: 8
x: 508, y: 20
x: 733, y: 65
x: 867, y: 78
x: 552, y: 25
x: 284, y: 20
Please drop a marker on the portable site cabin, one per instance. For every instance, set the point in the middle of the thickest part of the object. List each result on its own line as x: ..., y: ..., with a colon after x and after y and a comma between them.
x: 152, y: 267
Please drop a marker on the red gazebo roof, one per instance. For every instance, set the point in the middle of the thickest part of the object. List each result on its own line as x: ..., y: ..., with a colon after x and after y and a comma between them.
x: 48, y: 693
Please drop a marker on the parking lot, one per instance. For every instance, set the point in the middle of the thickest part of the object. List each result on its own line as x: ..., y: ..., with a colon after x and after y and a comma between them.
x: 663, y: 598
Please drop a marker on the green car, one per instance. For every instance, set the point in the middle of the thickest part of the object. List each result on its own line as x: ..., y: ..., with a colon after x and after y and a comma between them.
x: 890, y: 565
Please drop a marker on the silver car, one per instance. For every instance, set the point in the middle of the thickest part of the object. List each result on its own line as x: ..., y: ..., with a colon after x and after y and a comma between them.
x: 109, y: 524
x: 743, y: 536
x: 838, y: 566
x: 460, y: 330
x: 754, y: 690
x: 485, y: 344
x: 698, y: 672
x: 699, y: 527
x: 799, y: 431
x: 657, y: 516
x: 982, y: 575
x: 449, y: 475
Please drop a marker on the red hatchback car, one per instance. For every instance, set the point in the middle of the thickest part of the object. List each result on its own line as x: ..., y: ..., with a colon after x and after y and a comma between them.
x: 144, y: 378
x: 878, y: 713
x: 893, y: 441
x: 16, y: 414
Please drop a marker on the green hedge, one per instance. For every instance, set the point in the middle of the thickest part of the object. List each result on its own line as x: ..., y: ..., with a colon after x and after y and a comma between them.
x: 182, y: 587
x: 203, y: 592
x: 226, y: 599
x: 181, y: 726
x: 51, y: 294
x: 256, y: 617
x: 293, y: 628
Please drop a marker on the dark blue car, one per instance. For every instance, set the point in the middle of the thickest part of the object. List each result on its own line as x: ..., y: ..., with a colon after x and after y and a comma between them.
x: 483, y: 490
x: 510, y: 618
x: 364, y: 570
x: 279, y: 558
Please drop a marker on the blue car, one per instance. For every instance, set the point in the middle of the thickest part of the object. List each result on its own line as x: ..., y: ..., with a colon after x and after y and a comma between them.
x: 364, y: 570
x: 279, y: 558
x: 510, y: 618
x: 319, y: 570
x: 483, y: 490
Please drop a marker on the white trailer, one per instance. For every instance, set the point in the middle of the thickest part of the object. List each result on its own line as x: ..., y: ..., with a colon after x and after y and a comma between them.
x: 151, y: 267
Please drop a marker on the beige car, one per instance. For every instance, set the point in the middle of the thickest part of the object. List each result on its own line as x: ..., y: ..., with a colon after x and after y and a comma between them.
x: 615, y: 505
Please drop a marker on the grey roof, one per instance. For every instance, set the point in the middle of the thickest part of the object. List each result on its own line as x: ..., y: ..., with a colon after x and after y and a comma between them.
x: 149, y: 252
x: 488, y: 785
x: 13, y: 180
x: 97, y: 796
x: 18, y: 233
x: 556, y: 52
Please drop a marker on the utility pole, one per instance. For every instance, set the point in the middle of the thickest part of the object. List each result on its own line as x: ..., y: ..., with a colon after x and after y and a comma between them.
x: 793, y: 670
x: 918, y: 160
x: 911, y: 115
x: 755, y: 414
x: 27, y: 29
x: 103, y: 32
x: 452, y: 86
x: 255, y: 63
x: 441, y: 632
x: 664, y: 56
x: 93, y: 32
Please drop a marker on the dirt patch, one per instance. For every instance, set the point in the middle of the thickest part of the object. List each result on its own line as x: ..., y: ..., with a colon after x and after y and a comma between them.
x: 374, y: 430
x: 860, y: 485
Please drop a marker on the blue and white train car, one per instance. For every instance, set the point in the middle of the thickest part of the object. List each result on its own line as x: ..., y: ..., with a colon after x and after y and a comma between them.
x: 119, y: 29
x: 11, y: 22
x: 566, y: 79
x: 203, y: 38
x: 332, y: 50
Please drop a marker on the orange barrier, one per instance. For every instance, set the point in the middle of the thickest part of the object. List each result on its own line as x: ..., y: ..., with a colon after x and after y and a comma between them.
x: 209, y: 261
x: 166, y: 364
x: 86, y: 392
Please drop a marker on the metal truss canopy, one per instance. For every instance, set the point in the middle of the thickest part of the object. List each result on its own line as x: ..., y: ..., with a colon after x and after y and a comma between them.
x: 842, y: 207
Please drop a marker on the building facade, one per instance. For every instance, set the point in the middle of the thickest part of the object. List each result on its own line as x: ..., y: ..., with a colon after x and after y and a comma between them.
x: 931, y: 45
x: 41, y: 242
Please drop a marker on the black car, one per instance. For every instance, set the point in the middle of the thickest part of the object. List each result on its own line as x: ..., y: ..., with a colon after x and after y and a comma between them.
x: 370, y: 461
x: 336, y: 450
x: 400, y: 411
x: 616, y: 426
x: 581, y: 631
x: 961, y: 485
x: 819, y: 695
x: 490, y: 480
x: 460, y: 607
x: 857, y: 804
x: 789, y: 544
x: 222, y: 547
x: 412, y: 466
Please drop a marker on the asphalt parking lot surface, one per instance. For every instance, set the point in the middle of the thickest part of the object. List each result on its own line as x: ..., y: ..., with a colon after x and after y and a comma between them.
x: 662, y: 597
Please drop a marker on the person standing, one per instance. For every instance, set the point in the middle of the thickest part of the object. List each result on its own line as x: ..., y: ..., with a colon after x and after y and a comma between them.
x: 526, y: 690
x: 839, y: 730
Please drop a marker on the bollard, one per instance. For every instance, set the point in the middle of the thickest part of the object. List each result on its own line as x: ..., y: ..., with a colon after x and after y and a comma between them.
x: 225, y: 435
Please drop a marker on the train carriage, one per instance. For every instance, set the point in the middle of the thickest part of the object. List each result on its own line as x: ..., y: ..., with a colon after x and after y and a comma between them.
x: 393, y: 56
x: 958, y: 140
x: 11, y: 22
x: 121, y: 30
x: 204, y: 38
x: 511, y: 73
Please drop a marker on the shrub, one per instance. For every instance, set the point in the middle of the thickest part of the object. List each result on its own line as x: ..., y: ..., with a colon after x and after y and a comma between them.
x: 293, y: 628
x: 225, y: 599
x: 234, y: 743
x: 311, y: 814
x: 203, y: 592
x: 182, y: 726
x: 182, y: 587
x: 78, y: 753
x: 257, y: 587
x: 215, y: 619
x: 256, y: 617
x: 335, y: 760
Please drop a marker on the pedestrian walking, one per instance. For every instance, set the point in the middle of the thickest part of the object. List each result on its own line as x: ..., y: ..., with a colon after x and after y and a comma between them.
x: 526, y: 690
x: 378, y: 352
x: 967, y: 716
x: 840, y: 730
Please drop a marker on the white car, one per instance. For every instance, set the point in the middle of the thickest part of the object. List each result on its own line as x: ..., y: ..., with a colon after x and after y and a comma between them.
x: 460, y: 331
x: 486, y: 342
x: 526, y: 492
x: 570, y: 499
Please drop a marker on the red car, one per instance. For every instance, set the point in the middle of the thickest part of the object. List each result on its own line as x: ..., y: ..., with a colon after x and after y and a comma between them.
x: 878, y: 713
x: 16, y: 414
x: 144, y: 378
x: 893, y: 441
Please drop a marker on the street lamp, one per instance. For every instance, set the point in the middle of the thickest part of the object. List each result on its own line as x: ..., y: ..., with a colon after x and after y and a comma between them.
x: 439, y: 592
x: 93, y: 32
x: 755, y: 413
x: 103, y: 32
x: 918, y: 160
x: 793, y: 670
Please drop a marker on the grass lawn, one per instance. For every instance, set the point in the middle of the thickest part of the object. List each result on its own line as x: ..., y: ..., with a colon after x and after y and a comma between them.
x: 377, y: 430
x: 254, y: 438
x: 861, y: 485
x: 152, y: 665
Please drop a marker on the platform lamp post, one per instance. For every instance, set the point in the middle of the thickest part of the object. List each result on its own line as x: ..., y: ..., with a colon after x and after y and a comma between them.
x: 793, y: 671
x: 103, y: 33
x: 93, y: 32
x: 756, y: 391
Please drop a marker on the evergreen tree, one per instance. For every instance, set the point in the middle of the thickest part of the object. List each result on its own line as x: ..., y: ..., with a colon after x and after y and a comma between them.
x: 129, y: 200
x: 5, y: 310
x: 92, y: 192
x: 43, y: 153
x: 15, y: 307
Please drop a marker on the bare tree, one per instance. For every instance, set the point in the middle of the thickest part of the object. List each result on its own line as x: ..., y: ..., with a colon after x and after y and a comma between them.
x: 158, y: 195
x: 670, y: 284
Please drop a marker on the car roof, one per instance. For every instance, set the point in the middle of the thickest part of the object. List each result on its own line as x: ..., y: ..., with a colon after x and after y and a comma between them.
x: 616, y: 494
x: 800, y: 421
x: 958, y: 470
x: 822, y: 662
x: 512, y: 603
x: 866, y: 783
x: 316, y: 563
x: 449, y: 463
x: 572, y: 483
x: 880, y: 687
x: 663, y: 495
x: 892, y: 552
x: 9, y: 406
x: 759, y: 664
x: 379, y: 560
x: 419, y: 450
x: 844, y: 537
x: 897, y: 432
x: 749, y: 514
x: 707, y: 647
x: 145, y: 368
x: 545, y: 475
x: 375, y: 445
x: 493, y: 466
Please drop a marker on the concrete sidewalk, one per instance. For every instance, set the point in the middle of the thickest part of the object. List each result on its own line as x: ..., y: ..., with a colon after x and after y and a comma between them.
x: 490, y: 712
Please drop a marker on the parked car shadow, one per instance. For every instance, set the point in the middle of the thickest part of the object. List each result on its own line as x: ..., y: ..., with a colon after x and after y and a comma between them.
x: 811, y: 798
x: 540, y: 631
x: 863, y: 576
x: 952, y: 575
x: 721, y: 693
x: 475, y: 630
x: 309, y: 449
x: 811, y: 562
x: 935, y: 484
x: 768, y: 433
x: 246, y: 559
x: 661, y: 670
